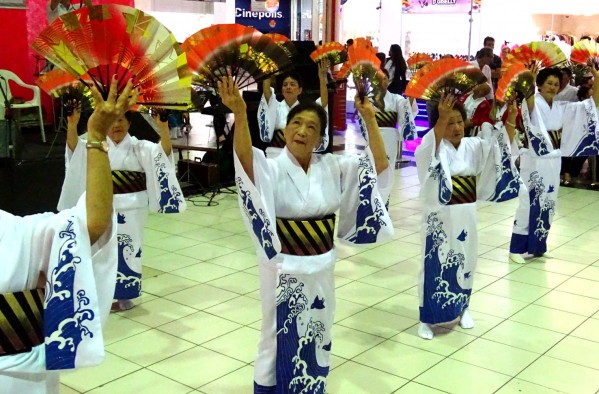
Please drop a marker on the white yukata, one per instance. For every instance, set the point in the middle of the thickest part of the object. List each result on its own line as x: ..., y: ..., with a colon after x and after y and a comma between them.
x: 396, y: 123
x: 540, y: 164
x: 78, y: 293
x: 272, y: 117
x: 449, y: 235
x: 297, y: 292
x: 163, y: 195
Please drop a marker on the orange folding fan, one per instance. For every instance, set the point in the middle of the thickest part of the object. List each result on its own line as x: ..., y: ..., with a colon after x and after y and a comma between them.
x: 332, y: 51
x: 541, y: 53
x: 418, y: 60
x: 516, y: 83
x: 585, y: 52
x: 113, y: 40
x: 364, y: 66
x: 232, y: 49
x: 454, y: 76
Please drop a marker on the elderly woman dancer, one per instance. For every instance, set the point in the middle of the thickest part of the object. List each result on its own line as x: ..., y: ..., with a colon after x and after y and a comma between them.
x: 454, y: 172
x: 553, y: 129
x: 289, y: 206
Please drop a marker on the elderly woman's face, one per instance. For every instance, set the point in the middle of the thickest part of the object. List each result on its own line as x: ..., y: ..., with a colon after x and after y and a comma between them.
x: 549, y: 88
x: 454, y: 132
x: 302, y: 134
x: 119, y: 129
x: 291, y: 90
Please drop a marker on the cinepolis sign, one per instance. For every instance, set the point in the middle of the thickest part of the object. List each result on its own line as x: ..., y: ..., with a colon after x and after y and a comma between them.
x: 243, y: 13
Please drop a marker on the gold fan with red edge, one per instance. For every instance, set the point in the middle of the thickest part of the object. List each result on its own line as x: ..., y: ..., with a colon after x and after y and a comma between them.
x: 232, y: 49
x: 364, y: 66
x: 107, y: 41
x: 516, y: 83
x: 332, y: 51
x: 585, y: 52
x: 539, y: 53
x: 453, y: 76
x: 284, y: 43
x: 418, y: 60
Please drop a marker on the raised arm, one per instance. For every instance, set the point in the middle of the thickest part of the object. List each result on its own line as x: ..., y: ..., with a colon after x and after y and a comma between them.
x: 72, y: 122
x: 446, y: 104
x: 266, y: 89
x: 323, y: 68
x: 242, y: 140
x: 375, y: 140
x: 510, y: 122
x: 595, y: 73
x: 160, y: 116
x: 98, y: 200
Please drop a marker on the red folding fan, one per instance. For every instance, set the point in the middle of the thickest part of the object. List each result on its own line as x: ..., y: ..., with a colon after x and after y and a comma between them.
x: 113, y: 40
x: 516, y: 83
x: 232, y: 49
x: 585, y: 52
x: 54, y: 81
x: 418, y: 60
x: 332, y: 51
x: 453, y: 76
x: 541, y: 53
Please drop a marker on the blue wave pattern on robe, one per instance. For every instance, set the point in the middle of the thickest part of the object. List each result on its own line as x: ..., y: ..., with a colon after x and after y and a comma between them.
x: 368, y: 218
x: 64, y: 317
x: 128, y: 282
x: 298, y: 370
x: 409, y: 129
x: 170, y: 200
x: 537, y: 142
x: 260, y: 223
x: 263, y: 124
x: 508, y: 185
x: 437, y: 173
x: 589, y: 144
x: 444, y: 299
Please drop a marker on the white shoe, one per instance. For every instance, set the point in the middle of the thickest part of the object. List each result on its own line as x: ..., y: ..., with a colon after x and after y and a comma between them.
x: 516, y: 258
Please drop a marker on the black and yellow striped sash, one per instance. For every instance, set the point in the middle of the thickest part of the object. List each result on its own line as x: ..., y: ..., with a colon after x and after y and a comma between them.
x: 21, y: 321
x: 306, y: 237
x: 278, y: 139
x: 386, y: 119
x: 556, y: 138
x: 128, y: 181
x: 464, y: 190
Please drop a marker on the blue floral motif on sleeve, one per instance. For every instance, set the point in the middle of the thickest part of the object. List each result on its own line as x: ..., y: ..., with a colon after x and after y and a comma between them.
x: 65, y: 316
x: 260, y: 223
x: 409, y: 128
x: 370, y: 209
x: 263, y: 123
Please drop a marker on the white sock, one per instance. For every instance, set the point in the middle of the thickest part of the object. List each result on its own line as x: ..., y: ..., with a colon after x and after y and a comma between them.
x: 466, y: 320
x: 425, y: 331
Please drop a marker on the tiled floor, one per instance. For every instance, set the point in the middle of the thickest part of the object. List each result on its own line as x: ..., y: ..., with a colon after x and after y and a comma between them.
x: 196, y: 328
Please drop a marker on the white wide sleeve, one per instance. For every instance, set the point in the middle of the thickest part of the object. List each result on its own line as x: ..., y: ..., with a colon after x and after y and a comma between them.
x: 256, y: 201
x: 75, y: 176
x: 405, y: 119
x: 435, y: 181
x: 164, y: 191
x: 363, y: 218
x: 267, y: 116
x: 325, y: 139
x: 580, y: 135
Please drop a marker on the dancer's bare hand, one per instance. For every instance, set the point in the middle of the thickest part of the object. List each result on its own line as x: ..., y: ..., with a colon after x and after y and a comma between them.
x: 230, y: 95
x: 109, y: 110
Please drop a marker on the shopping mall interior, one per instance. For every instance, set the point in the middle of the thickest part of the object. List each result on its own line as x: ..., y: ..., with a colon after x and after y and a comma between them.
x: 197, y: 324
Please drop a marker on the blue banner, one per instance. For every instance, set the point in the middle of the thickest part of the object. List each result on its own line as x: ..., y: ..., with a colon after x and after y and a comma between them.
x: 267, y: 16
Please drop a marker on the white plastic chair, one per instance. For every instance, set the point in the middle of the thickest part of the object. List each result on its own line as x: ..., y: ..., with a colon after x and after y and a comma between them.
x: 34, y: 102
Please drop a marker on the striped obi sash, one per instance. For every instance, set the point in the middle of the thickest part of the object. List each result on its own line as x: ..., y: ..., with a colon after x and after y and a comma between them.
x: 21, y: 321
x: 306, y: 237
x: 556, y: 138
x: 128, y: 181
x: 278, y: 139
x: 464, y: 190
x: 386, y: 119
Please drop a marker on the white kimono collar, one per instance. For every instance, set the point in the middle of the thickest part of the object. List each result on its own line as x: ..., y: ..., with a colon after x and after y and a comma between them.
x: 295, y: 171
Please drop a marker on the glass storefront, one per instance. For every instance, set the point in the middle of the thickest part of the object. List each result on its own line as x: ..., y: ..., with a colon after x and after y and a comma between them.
x: 308, y: 23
